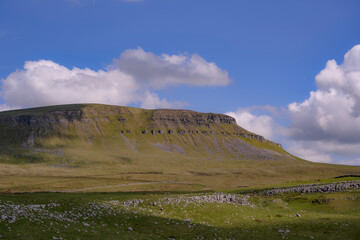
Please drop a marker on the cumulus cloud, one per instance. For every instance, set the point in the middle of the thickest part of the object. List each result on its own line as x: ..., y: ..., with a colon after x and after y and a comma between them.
x: 332, y: 112
x: 327, y: 124
x: 171, y: 70
x: 325, y: 127
x: 4, y: 107
x: 152, y: 100
x: 47, y: 83
x: 306, y: 150
x: 323, y: 151
x: 354, y: 161
x: 125, y: 82
x: 257, y: 123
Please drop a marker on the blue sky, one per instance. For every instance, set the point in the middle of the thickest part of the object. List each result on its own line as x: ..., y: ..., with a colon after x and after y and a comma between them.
x: 264, y: 55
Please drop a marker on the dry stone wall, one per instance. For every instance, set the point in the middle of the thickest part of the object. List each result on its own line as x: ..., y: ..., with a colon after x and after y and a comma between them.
x: 315, y: 188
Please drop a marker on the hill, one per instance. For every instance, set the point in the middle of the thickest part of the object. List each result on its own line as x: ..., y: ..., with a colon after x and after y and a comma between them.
x: 88, y: 145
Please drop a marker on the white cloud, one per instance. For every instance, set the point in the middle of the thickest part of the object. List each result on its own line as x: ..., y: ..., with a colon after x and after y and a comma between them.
x: 45, y: 82
x: 48, y: 83
x: 152, y: 100
x: 304, y: 151
x: 256, y: 123
x: 171, y: 70
x: 4, y: 107
x: 355, y: 162
x: 332, y: 112
x: 326, y: 126
x: 325, y: 152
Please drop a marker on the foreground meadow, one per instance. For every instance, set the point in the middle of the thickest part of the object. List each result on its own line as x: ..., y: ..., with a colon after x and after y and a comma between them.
x: 246, y: 214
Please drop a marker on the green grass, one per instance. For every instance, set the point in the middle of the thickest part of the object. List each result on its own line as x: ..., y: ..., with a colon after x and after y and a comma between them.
x: 338, y: 218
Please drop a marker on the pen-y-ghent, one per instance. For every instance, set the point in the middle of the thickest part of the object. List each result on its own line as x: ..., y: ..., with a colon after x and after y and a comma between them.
x: 138, y: 119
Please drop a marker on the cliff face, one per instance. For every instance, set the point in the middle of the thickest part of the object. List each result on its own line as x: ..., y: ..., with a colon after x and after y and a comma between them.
x: 169, y: 117
x: 183, y: 132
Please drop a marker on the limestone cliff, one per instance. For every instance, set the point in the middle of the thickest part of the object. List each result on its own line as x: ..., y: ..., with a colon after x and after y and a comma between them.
x: 182, y: 132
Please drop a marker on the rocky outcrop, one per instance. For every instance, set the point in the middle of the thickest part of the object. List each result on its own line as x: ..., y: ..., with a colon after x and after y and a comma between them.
x: 169, y: 117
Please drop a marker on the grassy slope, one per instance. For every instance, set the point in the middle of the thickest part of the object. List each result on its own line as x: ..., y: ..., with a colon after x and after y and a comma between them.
x: 98, y: 154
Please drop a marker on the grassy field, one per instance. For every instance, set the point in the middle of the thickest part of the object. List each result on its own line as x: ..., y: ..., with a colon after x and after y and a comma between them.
x: 159, y: 216
x: 174, y: 175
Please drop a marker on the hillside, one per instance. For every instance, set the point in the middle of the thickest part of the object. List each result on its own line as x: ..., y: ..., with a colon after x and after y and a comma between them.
x: 183, y: 132
x: 102, y: 145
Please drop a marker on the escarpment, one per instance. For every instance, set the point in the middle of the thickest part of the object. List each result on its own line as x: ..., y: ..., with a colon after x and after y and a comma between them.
x: 172, y: 118
x: 184, y: 132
